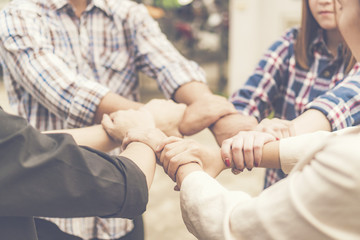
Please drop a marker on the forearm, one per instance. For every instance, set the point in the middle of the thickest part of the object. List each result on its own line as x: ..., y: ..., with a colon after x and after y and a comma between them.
x: 113, y: 102
x: 271, y: 155
x: 191, y: 92
x: 185, y: 170
x: 230, y: 125
x: 144, y: 157
x: 94, y: 137
x: 310, y: 121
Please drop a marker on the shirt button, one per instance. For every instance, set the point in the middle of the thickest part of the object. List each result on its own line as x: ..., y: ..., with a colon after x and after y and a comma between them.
x: 326, y: 74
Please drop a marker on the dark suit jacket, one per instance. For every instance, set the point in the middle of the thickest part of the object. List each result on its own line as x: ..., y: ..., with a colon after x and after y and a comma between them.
x: 51, y: 176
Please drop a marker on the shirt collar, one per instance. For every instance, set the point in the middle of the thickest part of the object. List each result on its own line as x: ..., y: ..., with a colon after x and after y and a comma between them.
x: 319, y: 45
x: 101, y: 4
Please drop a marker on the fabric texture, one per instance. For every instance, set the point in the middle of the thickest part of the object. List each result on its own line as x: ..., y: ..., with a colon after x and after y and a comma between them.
x: 318, y: 200
x: 280, y: 87
x: 49, y: 175
x: 58, y: 67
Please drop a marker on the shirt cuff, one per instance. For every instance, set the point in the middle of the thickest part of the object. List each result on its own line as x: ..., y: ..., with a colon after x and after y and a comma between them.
x: 85, y: 102
x: 335, y: 110
x: 207, y: 206
x: 171, y: 80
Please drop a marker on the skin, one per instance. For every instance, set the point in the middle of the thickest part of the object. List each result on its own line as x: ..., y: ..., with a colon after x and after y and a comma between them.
x: 204, y: 107
x: 348, y: 21
x: 310, y: 121
x: 96, y: 137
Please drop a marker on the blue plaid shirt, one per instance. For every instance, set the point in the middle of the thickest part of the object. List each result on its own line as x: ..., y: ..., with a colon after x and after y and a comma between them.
x: 280, y: 86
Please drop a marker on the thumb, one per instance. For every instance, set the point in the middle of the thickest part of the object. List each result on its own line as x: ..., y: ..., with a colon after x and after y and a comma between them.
x: 106, y: 122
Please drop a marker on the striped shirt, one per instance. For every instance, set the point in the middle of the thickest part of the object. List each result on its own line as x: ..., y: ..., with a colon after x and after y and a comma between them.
x: 281, y: 87
x: 57, y: 68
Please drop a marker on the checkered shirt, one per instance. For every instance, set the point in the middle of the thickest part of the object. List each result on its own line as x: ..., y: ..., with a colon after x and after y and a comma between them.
x: 278, y: 85
x: 57, y: 68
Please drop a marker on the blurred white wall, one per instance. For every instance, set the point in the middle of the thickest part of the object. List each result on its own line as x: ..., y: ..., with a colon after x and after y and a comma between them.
x: 3, y: 2
x: 254, y: 25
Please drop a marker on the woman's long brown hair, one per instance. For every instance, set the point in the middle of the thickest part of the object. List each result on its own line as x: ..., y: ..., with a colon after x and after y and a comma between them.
x: 307, y: 33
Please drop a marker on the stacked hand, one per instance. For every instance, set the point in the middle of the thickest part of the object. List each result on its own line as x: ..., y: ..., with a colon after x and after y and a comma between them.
x: 244, y: 150
x: 118, y: 123
x: 204, y: 112
x: 279, y: 128
x: 173, y: 152
x: 167, y: 115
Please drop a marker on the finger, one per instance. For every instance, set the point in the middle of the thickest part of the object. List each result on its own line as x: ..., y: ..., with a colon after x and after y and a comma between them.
x: 249, y: 152
x: 285, y: 132
x: 167, y: 141
x: 258, y: 147
x: 170, y: 151
x: 237, y: 153
x: 174, y: 165
x: 125, y: 143
x: 226, y: 152
x: 273, y: 132
x: 292, y: 131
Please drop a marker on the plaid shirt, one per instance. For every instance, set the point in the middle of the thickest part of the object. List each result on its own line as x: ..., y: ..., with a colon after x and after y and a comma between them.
x: 280, y: 86
x: 58, y: 67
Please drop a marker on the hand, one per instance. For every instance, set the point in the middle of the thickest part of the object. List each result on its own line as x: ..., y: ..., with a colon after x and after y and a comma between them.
x: 277, y: 127
x: 177, y: 152
x: 230, y: 125
x: 167, y: 115
x: 244, y: 150
x: 152, y: 137
x: 118, y: 123
x: 204, y: 112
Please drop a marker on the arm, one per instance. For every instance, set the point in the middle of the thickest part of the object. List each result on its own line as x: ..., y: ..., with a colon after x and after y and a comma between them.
x: 178, y: 78
x: 94, y: 137
x: 204, y: 108
x: 255, y: 100
x: 338, y: 106
x: 48, y: 75
x: 239, y: 216
x: 143, y: 156
x: 70, y: 181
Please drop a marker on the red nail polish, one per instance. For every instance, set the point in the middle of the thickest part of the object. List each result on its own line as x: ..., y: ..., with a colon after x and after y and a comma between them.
x: 227, y: 162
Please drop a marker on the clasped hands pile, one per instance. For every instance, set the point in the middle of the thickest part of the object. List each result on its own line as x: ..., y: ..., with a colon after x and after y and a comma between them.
x: 159, y: 122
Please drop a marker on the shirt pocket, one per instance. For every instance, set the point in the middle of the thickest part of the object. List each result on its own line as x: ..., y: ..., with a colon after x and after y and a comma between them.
x: 118, y: 62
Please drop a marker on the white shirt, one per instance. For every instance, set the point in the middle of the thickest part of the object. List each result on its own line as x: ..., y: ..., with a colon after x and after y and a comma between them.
x: 320, y: 199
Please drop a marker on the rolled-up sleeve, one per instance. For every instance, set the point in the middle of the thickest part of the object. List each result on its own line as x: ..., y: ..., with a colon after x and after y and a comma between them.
x: 341, y: 105
x: 44, y: 72
x: 157, y: 57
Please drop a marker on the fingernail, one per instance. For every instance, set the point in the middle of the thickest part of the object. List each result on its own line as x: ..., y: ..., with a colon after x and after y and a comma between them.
x: 227, y: 162
x: 277, y: 139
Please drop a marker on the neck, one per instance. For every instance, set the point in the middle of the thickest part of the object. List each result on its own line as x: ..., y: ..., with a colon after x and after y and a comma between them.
x: 333, y: 39
x: 79, y: 6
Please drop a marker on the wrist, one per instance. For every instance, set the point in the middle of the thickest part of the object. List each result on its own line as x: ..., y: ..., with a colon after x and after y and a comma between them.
x: 185, y: 170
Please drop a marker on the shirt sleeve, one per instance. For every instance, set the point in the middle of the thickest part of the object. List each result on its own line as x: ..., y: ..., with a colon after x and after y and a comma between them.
x: 257, y: 97
x: 156, y: 56
x: 51, y: 176
x: 44, y: 72
x: 341, y: 104
x: 318, y: 201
